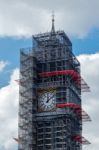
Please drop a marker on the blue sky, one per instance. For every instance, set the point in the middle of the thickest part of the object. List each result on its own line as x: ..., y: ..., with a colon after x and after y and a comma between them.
x: 87, y: 45
x: 18, y: 19
x: 10, y: 51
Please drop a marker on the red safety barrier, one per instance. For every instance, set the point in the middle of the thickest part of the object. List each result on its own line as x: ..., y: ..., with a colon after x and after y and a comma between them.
x: 73, y: 74
x: 63, y: 72
x: 77, y: 109
x: 80, y: 139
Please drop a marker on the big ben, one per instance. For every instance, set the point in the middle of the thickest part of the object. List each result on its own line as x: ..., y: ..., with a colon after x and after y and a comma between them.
x: 50, y: 106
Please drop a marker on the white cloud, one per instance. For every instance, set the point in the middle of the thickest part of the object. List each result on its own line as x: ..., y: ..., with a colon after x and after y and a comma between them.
x: 28, y: 17
x: 9, y: 113
x: 3, y: 64
x: 90, y: 71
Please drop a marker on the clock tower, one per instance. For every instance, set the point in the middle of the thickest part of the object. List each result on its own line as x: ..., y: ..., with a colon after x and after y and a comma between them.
x: 50, y: 107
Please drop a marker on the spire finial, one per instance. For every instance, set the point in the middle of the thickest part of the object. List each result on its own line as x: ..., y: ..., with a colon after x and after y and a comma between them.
x: 53, y: 20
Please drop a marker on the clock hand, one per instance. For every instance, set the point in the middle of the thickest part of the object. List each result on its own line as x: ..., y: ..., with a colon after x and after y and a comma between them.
x: 48, y: 98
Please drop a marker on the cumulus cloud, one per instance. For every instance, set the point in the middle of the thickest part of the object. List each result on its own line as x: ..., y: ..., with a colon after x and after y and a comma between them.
x: 28, y: 17
x: 3, y: 64
x: 90, y: 71
x: 9, y: 113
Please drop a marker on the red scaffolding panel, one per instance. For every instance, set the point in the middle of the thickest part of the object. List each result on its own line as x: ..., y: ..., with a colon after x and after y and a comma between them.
x: 17, y: 140
x: 74, y: 75
x: 19, y: 81
x: 82, y: 84
x: 80, y: 139
x: 22, y: 81
x: 55, y: 73
x: 77, y: 109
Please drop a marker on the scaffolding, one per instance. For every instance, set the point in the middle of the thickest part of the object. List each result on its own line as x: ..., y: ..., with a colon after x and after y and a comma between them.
x: 27, y: 100
x: 50, y: 68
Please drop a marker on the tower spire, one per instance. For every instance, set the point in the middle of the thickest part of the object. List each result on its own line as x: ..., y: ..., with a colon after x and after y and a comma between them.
x: 53, y: 20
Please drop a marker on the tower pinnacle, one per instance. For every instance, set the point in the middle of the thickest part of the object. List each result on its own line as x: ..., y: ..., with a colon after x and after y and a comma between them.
x: 53, y: 27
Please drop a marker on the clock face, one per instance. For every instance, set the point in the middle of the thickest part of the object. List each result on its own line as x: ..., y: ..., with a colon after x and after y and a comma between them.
x: 46, y: 101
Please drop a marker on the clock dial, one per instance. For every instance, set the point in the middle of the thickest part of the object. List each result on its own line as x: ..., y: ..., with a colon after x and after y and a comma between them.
x: 46, y: 101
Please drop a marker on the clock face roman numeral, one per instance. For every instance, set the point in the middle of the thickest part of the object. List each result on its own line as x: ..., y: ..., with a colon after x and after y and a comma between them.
x: 46, y: 101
